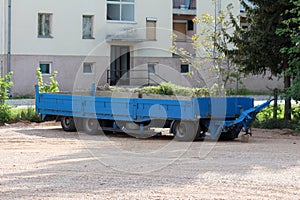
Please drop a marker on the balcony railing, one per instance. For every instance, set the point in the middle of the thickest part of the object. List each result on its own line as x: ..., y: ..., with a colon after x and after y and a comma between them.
x: 185, y: 4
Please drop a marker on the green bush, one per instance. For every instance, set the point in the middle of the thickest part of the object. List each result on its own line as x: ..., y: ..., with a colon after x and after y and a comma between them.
x: 168, y: 88
x: 266, y: 121
x: 296, y: 113
x: 5, y: 112
x: 267, y: 113
x: 52, y: 86
x: 26, y: 114
x: 5, y: 85
x: 276, y: 124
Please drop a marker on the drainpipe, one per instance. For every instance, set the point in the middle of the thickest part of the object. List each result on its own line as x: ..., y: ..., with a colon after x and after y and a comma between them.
x: 219, y: 5
x: 9, y: 38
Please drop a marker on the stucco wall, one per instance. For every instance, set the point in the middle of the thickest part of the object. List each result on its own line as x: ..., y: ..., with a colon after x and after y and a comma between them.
x: 66, y: 26
x: 2, y: 26
x: 69, y: 70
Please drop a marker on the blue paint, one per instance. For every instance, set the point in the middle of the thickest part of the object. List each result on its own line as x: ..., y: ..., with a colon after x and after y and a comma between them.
x: 215, y: 113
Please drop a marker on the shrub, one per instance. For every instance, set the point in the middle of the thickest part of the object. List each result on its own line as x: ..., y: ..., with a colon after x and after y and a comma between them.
x: 276, y: 124
x: 52, y: 86
x: 296, y: 113
x: 168, y: 88
x: 26, y: 114
x: 5, y: 85
x: 267, y: 113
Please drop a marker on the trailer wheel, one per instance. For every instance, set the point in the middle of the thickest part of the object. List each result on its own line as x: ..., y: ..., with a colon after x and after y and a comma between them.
x: 184, y: 131
x: 227, y: 136
x: 67, y: 123
x: 90, y: 126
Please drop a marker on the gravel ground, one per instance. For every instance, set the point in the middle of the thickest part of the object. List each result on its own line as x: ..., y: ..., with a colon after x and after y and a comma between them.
x: 40, y: 161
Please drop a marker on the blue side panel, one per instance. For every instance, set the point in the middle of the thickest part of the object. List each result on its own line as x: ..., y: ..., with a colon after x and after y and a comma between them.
x: 220, y: 108
x: 55, y: 104
x: 139, y: 109
x: 165, y: 109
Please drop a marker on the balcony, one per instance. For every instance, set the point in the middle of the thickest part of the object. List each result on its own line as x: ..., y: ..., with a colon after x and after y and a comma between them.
x: 184, y: 7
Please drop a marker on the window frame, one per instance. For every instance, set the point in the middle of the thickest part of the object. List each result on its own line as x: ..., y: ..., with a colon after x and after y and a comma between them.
x: 46, y: 63
x: 120, y: 3
x: 91, y: 36
x: 92, y: 64
x: 42, y: 19
x: 152, y: 65
x: 151, y: 32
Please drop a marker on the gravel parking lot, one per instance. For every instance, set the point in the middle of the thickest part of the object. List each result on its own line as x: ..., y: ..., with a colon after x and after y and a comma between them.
x: 40, y: 161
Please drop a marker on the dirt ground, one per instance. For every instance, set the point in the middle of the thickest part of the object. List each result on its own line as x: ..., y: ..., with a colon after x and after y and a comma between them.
x: 41, y: 161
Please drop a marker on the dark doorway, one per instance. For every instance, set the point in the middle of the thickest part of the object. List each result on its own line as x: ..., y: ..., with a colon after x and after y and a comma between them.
x: 120, y: 65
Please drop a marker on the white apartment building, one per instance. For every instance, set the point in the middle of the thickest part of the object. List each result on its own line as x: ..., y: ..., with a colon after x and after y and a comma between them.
x: 120, y: 42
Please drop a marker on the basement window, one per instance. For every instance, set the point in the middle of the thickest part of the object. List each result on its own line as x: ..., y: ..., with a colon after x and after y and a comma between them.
x: 45, y: 68
x: 184, y: 68
x: 88, y: 68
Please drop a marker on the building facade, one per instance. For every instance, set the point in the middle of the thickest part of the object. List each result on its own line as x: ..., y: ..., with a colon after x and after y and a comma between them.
x: 120, y: 42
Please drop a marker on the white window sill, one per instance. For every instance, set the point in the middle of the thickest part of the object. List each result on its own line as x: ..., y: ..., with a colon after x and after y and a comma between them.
x: 121, y: 22
x: 45, y: 36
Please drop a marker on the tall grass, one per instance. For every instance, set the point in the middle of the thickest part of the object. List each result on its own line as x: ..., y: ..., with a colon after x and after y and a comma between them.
x: 26, y: 114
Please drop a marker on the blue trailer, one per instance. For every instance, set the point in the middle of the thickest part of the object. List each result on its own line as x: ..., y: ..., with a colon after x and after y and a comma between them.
x: 187, y: 119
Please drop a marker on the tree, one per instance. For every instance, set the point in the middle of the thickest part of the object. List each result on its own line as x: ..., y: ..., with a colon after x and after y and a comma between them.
x: 258, y: 48
x: 207, y: 44
x: 292, y: 30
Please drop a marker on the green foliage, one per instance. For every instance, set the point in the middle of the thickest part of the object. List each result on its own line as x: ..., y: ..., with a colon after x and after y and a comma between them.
x: 266, y: 121
x: 260, y: 49
x: 5, y: 85
x: 168, y: 88
x: 211, y: 43
x: 291, y: 29
x: 267, y: 113
x: 52, y: 86
x: 245, y: 91
x: 276, y: 124
x: 5, y: 112
x: 25, y: 96
x: 24, y: 114
x: 296, y: 113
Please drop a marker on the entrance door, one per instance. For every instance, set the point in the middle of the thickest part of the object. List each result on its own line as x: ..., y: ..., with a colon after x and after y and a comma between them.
x: 120, y: 65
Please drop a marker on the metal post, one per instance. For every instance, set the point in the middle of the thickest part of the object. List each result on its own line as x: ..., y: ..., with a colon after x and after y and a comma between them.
x: 93, y: 89
x: 275, y: 104
x: 9, y: 38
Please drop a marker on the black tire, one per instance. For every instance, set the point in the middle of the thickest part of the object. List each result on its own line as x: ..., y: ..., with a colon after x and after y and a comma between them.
x: 78, y: 123
x: 227, y: 136
x: 90, y: 126
x: 67, y: 123
x: 184, y: 131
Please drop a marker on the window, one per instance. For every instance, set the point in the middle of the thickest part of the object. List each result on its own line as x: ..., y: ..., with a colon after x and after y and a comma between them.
x: 151, y: 28
x: 151, y: 68
x: 120, y: 10
x: 87, y: 26
x: 45, y: 67
x: 184, y: 68
x: 44, y: 25
x: 88, y: 68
